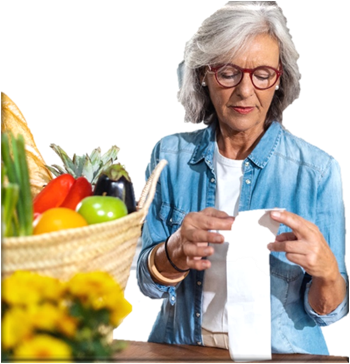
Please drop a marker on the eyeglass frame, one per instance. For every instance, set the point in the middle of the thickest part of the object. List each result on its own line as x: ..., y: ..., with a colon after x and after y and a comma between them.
x: 245, y: 70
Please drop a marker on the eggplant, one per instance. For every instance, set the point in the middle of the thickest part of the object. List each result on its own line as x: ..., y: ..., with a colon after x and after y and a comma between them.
x: 115, y: 181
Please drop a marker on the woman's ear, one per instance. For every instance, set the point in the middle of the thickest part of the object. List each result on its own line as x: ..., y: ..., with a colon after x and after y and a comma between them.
x: 202, y: 75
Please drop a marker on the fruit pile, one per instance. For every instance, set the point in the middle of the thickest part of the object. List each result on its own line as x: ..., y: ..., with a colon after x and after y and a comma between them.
x: 87, y: 190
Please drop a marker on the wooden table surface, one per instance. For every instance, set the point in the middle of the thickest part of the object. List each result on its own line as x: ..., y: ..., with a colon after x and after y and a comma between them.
x: 137, y: 351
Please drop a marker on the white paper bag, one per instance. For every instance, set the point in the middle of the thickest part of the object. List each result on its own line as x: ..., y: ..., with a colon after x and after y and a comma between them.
x: 248, y: 308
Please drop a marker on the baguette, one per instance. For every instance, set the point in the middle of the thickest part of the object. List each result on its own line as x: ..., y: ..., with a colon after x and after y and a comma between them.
x: 13, y: 121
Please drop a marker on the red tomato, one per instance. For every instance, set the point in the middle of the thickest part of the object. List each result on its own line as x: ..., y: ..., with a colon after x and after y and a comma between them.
x: 80, y: 189
x: 53, y: 194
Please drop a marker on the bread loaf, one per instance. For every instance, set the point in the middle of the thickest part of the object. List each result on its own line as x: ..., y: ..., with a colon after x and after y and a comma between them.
x: 13, y: 121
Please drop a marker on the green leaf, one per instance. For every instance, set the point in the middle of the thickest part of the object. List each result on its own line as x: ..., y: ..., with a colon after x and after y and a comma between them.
x: 56, y: 169
x: 110, y: 154
x: 88, y: 171
x: 68, y: 163
x: 77, y: 309
x: 79, y: 165
x: 95, y: 155
x: 118, y: 345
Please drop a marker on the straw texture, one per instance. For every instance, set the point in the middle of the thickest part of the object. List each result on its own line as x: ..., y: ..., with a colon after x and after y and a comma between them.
x: 108, y: 247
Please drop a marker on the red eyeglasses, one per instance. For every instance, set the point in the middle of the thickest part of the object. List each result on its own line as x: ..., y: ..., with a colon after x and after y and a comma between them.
x: 230, y: 75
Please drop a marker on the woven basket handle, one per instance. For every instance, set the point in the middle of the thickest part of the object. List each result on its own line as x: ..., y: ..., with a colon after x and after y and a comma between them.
x: 149, y: 190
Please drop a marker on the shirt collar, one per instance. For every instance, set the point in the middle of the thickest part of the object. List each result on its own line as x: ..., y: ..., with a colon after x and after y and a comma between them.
x: 259, y: 156
x: 205, y: 149
x: 267, y: 145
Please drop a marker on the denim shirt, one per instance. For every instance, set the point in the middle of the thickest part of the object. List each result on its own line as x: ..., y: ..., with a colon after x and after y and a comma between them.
x: 282, y: 171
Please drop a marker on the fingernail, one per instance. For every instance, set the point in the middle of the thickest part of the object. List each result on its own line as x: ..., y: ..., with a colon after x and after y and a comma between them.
x: 205, y: 263
x: 269, y: 246
x: 207, y: 251
x: 275, y: 213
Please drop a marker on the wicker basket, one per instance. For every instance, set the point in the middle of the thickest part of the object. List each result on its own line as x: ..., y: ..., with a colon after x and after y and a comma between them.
x: 108, y: 247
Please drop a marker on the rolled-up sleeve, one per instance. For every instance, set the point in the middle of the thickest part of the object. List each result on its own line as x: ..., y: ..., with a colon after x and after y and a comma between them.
x: 331, y: 222
x: 147, y: 286
x: 325, y: 320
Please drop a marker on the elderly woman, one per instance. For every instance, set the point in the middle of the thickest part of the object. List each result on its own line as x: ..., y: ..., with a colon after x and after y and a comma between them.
x: 240, y: 73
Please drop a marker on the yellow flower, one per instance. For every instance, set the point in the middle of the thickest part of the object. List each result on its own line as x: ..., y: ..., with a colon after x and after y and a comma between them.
x: 107, y: 299
x: 43, y: 347
x: 52, y: 318
x: 26, y: 288
x: 99, y: 290
x: 121, y: 309
x: 45, y: 316
x: 16, y: 326
x: 93, y: 284
x: 67, y: 325
x: 18, y: 289
x: 49, y: 288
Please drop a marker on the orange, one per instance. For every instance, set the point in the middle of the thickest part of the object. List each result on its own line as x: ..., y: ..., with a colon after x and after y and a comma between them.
x: 58, y: 218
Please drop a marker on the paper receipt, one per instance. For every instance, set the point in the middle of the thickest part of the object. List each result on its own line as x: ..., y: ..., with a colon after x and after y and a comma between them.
x: 267, y: 222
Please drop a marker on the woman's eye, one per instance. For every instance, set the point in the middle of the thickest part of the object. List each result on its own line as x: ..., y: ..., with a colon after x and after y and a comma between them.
x: 229, y: 74
x: 226, y: 75
x: 263, y: 75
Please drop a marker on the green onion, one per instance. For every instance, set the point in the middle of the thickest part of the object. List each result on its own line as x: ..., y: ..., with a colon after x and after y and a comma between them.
x: 10, y: 195
x: 16, y: 192
x: 25, y: 193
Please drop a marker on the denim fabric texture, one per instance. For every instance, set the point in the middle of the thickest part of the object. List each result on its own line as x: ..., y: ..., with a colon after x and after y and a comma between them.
x: 282, y: 171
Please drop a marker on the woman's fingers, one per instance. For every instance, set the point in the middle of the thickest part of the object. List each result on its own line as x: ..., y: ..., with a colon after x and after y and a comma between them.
x: 190, y: 242
x: 289, y: 246
x: 286, y: 236
x: 300, y: 226
x: 198, y: 264
x: 198, y: 250
x: 197, y: 236
x: 305, y: 246
x: 208, y: 219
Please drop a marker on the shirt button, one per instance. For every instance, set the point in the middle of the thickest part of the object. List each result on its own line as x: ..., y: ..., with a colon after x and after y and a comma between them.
x: 171, y: 220
x: 212, y: 180
x: 172, y: 298
x: 199, y: 283
x: 198, y: 314
x: 247, y: 181
x: 246, y: 164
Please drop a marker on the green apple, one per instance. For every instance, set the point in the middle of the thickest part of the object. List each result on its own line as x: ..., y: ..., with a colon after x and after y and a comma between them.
x: 97, y: 209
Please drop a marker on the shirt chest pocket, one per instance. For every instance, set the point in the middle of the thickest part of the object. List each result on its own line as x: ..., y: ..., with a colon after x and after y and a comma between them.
x: 171, y: 216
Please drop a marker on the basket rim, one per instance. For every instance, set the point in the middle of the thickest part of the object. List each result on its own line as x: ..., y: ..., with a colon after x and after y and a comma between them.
x: 18, y: 241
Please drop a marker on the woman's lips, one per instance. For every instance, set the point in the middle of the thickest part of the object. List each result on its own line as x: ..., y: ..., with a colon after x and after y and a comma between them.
x: 243, y: 109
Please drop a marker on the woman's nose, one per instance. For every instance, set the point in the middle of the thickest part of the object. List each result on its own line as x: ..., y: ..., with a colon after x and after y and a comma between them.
x: 245, y: 88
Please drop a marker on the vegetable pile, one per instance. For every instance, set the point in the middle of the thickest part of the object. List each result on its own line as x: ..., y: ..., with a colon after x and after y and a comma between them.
x: 86, y: 190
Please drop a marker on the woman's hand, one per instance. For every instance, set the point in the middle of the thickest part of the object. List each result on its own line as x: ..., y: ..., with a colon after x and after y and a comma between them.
x: 307, y: 247
x: 304, y: 246
x: 189, y: 244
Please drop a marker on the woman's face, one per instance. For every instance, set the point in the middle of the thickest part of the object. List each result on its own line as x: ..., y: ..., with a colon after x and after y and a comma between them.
x: 243, y: 108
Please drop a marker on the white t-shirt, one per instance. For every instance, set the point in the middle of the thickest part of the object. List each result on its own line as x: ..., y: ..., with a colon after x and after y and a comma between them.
x: 229, y: 174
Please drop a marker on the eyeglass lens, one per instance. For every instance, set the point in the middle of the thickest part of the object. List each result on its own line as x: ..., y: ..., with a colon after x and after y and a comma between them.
x: 262, y: 77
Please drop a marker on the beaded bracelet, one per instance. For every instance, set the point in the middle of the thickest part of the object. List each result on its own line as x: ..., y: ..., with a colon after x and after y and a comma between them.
x: 156, y: 274
x: 172, y: 264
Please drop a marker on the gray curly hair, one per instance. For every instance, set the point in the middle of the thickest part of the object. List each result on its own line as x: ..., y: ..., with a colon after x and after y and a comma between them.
x: 219, y: 38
